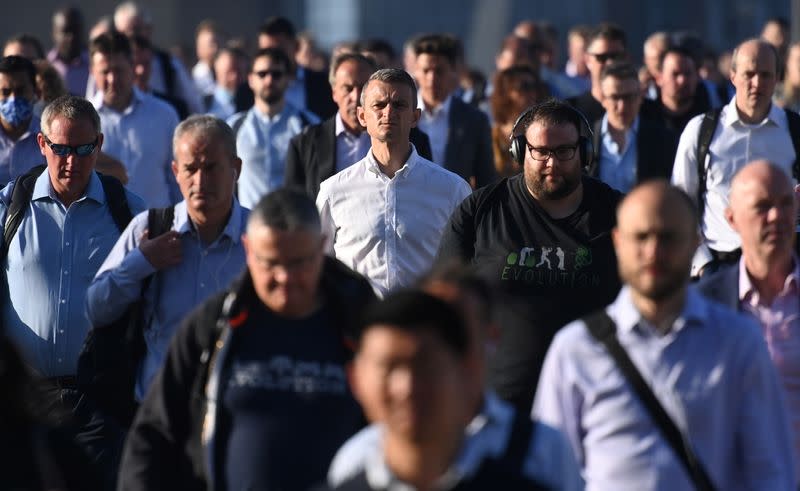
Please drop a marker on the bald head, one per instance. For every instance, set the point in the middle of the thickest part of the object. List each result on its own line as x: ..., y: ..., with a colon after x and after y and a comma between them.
x: 658, y: 195
x: 763, y: 210
x: 752, y: 49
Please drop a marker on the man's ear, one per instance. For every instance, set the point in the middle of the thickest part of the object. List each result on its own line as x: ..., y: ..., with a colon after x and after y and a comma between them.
x: 41, y: 142
x: 175, y: 169
x: 417, y: 115
x: 360, y: 114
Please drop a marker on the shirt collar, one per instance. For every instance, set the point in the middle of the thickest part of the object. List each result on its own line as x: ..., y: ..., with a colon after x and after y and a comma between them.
x: 374, y: 166
x: 232, y: 230
x: 138, y: 97
x: 34, y: 127
x: 634, y: 127
x: 627, y: 317
x: 340, y: 127
x: 776, y: 116
x: 43, y: 188
x: 748, y: 291
x: 81, y: 60
x: 269, y: 120
x: 442, y: 109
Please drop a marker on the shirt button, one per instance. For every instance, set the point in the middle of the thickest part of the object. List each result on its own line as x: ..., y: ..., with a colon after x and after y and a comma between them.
x: 67, y: 244
x: 66, y: 272
x: 59, y: 360
x: 61, y: 331
x: 63, y: 300
x: 202, y: 285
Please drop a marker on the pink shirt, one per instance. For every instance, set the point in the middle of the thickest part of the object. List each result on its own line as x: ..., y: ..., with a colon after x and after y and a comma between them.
x: 780, y: 323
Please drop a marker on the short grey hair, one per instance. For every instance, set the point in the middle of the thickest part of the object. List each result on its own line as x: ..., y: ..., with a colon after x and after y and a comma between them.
x: 206, y: 126
x: 286, y: 209
x: 70, y: 107
x: 362, y: 60
x: 392, y: 76
x: 132, y: 9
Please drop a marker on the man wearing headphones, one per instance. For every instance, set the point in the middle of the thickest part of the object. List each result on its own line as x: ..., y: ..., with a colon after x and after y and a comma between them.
x: 543, y: 239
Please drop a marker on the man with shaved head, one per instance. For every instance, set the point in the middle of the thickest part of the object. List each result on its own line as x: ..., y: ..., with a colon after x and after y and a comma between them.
x: 716, y: 145
x: 766, y: 280
x: 706, y: 365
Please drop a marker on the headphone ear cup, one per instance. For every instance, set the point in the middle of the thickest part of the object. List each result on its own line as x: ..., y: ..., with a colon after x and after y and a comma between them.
x: 587, y: 152
x: 518, y: 149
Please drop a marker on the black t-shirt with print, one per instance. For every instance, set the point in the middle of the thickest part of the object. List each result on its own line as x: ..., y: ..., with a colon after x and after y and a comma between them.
x: 286, y: 404
x: 547, y: 272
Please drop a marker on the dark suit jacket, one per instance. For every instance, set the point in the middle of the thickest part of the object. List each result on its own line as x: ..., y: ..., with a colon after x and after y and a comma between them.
x: 722, y: 286
x: 655, y: 145
x: 312, y: 155
x: 469, y: 144
x: 588, y: 106
x: 318, y: 95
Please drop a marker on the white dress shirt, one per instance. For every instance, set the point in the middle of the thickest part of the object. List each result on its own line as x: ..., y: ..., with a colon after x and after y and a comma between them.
x: 141, y: 138
x: 733, y: 145
x: 388, y: 229
x: 436, y: 124
x: 349, y: 147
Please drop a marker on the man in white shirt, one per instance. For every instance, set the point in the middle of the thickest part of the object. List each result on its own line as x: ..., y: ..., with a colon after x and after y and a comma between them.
x: 138, y: 127
x: 749, y: 128
x: 384, y: 215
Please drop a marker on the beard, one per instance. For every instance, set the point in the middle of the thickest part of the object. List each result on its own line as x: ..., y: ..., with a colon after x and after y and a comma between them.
x: 271, y: 96
x: 561, y: 187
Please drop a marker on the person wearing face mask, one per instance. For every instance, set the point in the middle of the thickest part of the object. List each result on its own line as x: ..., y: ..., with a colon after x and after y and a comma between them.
x: 19, y: 150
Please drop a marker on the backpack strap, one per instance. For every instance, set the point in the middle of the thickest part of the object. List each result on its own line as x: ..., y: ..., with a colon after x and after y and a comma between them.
x: 793, y: 119
x: 707, y: 128
x: 21, y: 195
x: 117, y: 199
x: 519, y: 441
x: 168, y: 71
x: 238, y: 122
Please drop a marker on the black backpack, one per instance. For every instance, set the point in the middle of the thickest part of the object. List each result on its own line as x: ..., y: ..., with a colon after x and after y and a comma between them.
x: 707, y: 128
x: 110, y: 357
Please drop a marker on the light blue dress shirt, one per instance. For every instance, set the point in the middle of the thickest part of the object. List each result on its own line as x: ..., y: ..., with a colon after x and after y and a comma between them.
x: 51, y: 260
x: 141, y: 138
x: 712, y: 374
x: 222, y: 105
x: 349, y: 148
x: 618, y: 165
x: 262, y: 143
x: 436, y: 124
x: 549, y: 460
x: 175, y: 291
x: 19, y: 156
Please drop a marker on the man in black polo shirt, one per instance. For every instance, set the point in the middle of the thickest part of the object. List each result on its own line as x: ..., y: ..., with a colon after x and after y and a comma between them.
x: 543, y: 239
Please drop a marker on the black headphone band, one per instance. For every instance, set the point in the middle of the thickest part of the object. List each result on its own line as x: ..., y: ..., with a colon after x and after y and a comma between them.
x: 585, y: 137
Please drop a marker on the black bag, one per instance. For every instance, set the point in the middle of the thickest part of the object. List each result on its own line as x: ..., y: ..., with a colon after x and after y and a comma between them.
x: 109, y: 359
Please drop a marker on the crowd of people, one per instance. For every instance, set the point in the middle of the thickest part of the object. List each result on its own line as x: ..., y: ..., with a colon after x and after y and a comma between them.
x: 279, y: 270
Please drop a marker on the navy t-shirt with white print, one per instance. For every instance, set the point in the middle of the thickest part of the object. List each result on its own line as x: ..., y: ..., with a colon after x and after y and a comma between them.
x: 286, y: 404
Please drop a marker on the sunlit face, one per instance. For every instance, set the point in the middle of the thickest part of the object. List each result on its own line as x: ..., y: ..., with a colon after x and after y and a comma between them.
x: 142, y: 67
x: 654, y: 243
x: 348, y: 81
x: 285, y: 267
x: 755, y: 77
x: 622, y: 99
x: 553, y: 178
x: 678, y: 78
x: 389, y: 111
x: 206, y: 173
x: 230, y: 72
x: 435, y: 76
x: 70, y: 175
x: 600, y: 52
x: 114, y: 76
x: 763, y: 211
x: 411, y: 382
x: 269, y: 79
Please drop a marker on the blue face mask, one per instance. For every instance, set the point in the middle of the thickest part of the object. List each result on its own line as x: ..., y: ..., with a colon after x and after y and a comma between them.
x: 16, y: 111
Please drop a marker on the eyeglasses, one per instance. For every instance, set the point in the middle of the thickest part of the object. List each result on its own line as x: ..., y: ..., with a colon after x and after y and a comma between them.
x: 561, y: 153
x: 65, y: 150
x: 275, y: 74
x: 604, y: 57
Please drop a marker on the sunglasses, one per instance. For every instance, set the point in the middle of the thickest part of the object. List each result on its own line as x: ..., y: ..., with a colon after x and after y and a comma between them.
x: 604, y: 57
x: 275, y: 74
x: 65, y: 150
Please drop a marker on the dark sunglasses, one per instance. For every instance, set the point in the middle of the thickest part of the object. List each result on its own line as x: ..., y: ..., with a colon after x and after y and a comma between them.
x: 275, y: 74
x: 604, y: 57
x: 65, y: 150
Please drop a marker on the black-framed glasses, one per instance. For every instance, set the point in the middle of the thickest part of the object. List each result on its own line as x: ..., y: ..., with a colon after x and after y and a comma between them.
x: 275, y: 74
x: 65, y: 150
x: 562, y: 153
x: 604, y: 57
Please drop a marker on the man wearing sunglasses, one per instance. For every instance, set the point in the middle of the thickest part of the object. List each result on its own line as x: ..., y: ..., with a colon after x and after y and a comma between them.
x: 541, y: 239
x: 263, y: 132
x: 66, y: 231
x: 606, y: 44
x: 629, y: 148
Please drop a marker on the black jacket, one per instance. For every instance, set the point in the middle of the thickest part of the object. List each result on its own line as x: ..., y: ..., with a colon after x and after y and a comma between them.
x: 469, y: 145
x: 655, y: 150
x: 164, y: 448
x: 312, y: 155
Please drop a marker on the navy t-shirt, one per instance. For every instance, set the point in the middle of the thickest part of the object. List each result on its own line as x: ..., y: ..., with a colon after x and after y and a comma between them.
x: 286, y: 404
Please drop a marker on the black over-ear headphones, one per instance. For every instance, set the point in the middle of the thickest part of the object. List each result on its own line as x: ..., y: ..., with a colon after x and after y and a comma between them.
x: 585, y: 138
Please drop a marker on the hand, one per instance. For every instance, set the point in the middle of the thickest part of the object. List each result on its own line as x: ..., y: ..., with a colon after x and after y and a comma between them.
x: 111, y: 167
x: 163, y: 251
